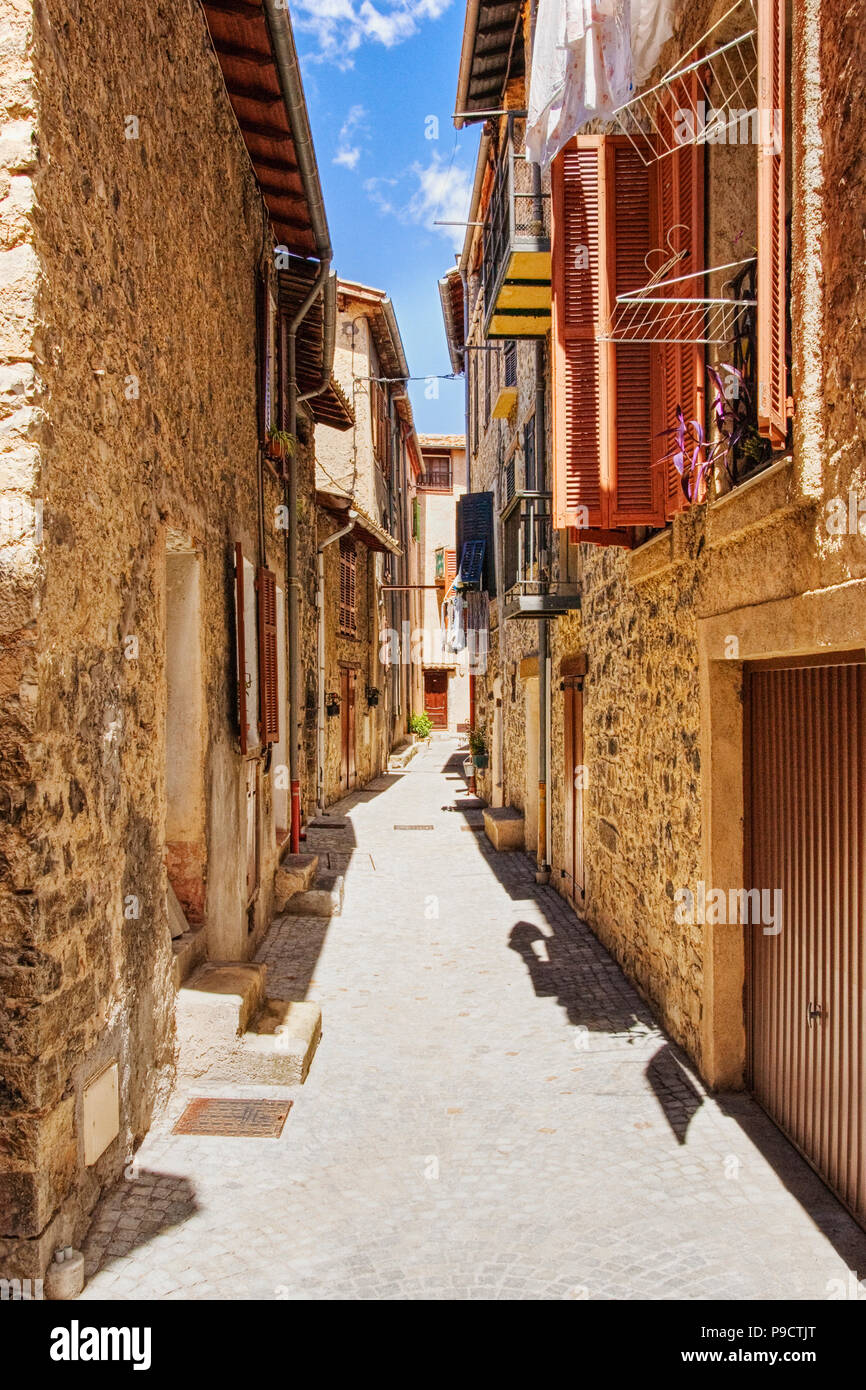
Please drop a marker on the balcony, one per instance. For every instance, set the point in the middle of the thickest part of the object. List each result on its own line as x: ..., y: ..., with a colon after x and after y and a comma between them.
x: 516, y: 267
x: 531, y: 590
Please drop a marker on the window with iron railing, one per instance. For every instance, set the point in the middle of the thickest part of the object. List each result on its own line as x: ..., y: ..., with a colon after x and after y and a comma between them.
x: 528, y: 543
x: 437, y: 473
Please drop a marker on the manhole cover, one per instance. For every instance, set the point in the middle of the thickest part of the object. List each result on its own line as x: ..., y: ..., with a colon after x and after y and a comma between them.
x: 235, y: 1119
x: 413, y: 827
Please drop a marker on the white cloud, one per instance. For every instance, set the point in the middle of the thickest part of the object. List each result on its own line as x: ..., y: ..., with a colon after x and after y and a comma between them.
x: 339, y: 27
x: 348, y: 151
x: 425, y: 195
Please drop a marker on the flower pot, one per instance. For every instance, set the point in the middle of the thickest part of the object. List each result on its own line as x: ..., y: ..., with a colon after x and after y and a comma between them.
x: 467, y: 768
x: 480, y: 760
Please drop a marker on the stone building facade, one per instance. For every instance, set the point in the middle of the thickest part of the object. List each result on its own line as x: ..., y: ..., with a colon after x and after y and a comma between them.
x: 677, y: 620
x: 445, y: 673
x: 137, y: 384
x: 366, y: 480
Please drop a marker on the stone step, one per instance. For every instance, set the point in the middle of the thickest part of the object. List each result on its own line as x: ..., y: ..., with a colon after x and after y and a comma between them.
x: 279, y: 1048
x: 188, y: 952
x: 295, y: 875
x: 324, y: 899
x: 504, y: 828
x: 213, y: 1008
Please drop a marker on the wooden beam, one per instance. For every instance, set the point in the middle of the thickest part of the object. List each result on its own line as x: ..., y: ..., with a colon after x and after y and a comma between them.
x: 268, y: 132
x: 246, y: 9
x: 279, y: 166
x: 243, y: 55
x: 277, y: 190
x: 259, y: 95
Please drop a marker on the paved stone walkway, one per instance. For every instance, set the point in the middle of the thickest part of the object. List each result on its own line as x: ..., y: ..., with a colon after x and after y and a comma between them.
x: 492, y: 1112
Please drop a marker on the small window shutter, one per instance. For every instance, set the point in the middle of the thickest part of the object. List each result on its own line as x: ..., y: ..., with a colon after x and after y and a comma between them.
x: 635, y: 485
x: 772, y: 292
x: 577, y: 187
x: 261, y: 355
x: 475, y: 523
x: 269, y: 704
x: 679, y: 367
x: 450, y: 567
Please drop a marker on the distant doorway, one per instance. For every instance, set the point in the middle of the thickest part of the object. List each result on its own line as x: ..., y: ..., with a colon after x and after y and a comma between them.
x: 348, y: 770
x: 436, y: 697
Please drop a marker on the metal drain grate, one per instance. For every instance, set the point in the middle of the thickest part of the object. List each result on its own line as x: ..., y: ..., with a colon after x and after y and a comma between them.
x: 413, y: 827
x: 234, y: 1119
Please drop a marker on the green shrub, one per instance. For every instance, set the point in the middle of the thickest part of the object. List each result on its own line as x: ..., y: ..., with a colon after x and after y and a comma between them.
x: 421, y: 724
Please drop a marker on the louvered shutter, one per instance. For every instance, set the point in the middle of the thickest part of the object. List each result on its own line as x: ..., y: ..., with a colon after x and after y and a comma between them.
x: 577, y: 189
x: 450, y: 567
x: 636, y: 492
x: 269, y: 704
x: 772, y: 289
x: 475, y: 523
x: 241, y: 646
x: 680, y: 367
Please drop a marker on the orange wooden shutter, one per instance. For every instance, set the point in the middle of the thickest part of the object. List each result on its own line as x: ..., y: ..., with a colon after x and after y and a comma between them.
x: 680, y: 367
x: 450, y: 567
x: 636, y: 492
x: 577, y: 187
x: 772, y: 288
x: 269, y: 704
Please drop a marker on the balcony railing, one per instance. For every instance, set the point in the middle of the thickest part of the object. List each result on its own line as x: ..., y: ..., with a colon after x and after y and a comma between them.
x: 437, y: 475
x: 531, y: 586
x: 516, y: 267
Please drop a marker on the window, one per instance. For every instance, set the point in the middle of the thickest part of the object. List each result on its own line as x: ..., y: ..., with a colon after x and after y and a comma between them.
x: 381, y: 426
x: 616, y: 394
x: 437, y: 473
x: 348, y: 570
x: 510, y: 364
x: 256, y: 654
x: 530, y: 480
x: 416, y: 518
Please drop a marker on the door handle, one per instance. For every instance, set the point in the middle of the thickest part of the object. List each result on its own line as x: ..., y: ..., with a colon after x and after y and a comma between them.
x: 814, y: 1011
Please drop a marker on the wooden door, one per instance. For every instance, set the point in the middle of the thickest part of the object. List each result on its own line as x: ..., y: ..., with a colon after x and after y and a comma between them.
x: 436, y: 697
x: 575, y: 781
x: 348, y: 771
x: 806, y: 763
x: 252, y: 828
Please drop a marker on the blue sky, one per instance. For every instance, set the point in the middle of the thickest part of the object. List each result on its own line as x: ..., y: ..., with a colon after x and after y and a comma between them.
x: 375, y: 75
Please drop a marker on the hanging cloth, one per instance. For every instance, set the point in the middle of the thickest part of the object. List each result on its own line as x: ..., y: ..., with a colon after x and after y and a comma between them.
x: 589, y: 56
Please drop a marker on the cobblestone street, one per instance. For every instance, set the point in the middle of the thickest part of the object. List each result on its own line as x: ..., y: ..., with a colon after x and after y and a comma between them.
x: 492, y: 1112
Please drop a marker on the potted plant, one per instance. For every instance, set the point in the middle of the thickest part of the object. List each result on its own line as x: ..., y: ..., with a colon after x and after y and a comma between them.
x: 478, y: 749
x: 421, y: 725
x: 280, y: 445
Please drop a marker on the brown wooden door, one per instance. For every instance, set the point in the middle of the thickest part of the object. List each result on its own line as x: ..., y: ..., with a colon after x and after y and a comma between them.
x: 436, y: 697
x: 575, y: 781
x: 348, y: 772
x: 806, y: 761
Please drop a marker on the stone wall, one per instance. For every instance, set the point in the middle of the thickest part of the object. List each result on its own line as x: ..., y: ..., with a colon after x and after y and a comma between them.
x: 127, y: 334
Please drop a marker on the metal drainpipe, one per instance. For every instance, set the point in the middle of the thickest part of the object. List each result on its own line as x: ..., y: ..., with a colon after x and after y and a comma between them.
x: 544, y: 808
x: 320, y: 637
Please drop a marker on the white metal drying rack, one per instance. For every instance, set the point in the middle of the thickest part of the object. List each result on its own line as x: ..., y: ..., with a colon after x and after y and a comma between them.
x: 727, y: 81
x: 645, y: 316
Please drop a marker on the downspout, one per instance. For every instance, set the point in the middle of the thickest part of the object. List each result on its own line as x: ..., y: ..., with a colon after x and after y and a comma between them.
x: 320, y: 637
x: 289, y: 73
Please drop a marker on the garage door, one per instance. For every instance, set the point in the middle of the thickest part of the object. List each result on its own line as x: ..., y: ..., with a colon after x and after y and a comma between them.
x: 805, y: 744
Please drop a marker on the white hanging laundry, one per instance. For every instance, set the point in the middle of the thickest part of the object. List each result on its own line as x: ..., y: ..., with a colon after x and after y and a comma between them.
x: 587, y: 59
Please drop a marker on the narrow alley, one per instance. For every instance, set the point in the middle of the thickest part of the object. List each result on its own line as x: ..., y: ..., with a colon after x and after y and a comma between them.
x: 491, y: 1113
